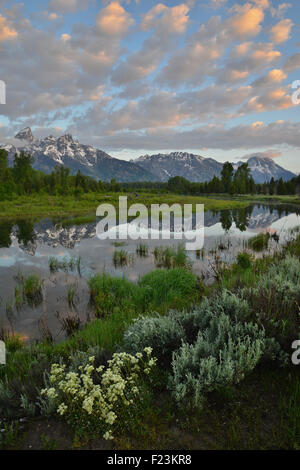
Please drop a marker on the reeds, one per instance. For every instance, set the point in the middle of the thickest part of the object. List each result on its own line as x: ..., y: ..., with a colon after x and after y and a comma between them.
x: 65, y: 264
x: 142, y: 250
x: 171, y: 257
x: 122, y: 258
x: 260, y: 242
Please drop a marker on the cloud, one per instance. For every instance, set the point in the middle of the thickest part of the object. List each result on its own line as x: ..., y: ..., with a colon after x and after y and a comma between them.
x: 168, y: 19
x: 292, y: 63
x: 210, y: 136
x: 218, y: 3
x: 197, y: 59
x: 166, y: 23
x: 280, y: 10
x: 270, y: 154
x: 281, y: 31
x: 246, y: 59
x: 7, y: 31
x: 270, y: 100
x: 247, y: 21
x: 273, y: 76
x: 114, y: 20
x: 174, y: 80
x: 257, y: 124
x: 68, y: 6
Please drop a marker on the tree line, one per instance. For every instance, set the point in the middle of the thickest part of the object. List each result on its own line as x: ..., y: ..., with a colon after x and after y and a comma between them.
x: 234, y: 182
x: 23, y: 179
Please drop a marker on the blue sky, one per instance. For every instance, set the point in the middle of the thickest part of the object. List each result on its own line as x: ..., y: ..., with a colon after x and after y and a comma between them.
x: 133, y: 77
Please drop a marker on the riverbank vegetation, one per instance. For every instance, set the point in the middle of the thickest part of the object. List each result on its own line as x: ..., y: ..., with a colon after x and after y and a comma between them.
x: 27, y: 192
x: 220, y: 375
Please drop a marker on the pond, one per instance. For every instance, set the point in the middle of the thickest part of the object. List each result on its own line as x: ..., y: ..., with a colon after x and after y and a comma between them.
x: 26, y: 247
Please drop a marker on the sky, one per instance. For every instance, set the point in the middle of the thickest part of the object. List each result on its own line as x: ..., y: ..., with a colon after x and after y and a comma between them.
x: 136, y: 77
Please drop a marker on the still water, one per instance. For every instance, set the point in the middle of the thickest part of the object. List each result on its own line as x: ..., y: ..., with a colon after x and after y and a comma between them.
x: 26, y: 246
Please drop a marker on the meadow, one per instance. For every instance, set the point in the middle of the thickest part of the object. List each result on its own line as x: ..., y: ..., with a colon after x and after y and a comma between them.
x: 44, y: 205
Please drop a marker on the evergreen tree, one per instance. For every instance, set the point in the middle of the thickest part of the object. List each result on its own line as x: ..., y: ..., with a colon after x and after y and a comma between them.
x: 227, y: 176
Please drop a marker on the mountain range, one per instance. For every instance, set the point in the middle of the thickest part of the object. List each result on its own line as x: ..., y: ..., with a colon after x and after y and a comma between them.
x: 65, y: 150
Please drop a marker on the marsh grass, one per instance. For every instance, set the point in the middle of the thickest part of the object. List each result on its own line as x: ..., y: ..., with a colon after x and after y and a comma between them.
x: 32, y: 288
x: 122, y: 258
x: 260, y: 242
x: 72, y: 295
x: 157, y: 290
x: 142, y: 250
x: 65, y: 264
x: 119, y: 244
x: 171, y: 257
x: 28, y: 290
x: 13, y: 341
x: 70, y: 323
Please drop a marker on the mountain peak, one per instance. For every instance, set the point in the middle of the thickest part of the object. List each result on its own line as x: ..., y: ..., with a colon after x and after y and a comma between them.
x: 25, y: 134
x: 66, y: 138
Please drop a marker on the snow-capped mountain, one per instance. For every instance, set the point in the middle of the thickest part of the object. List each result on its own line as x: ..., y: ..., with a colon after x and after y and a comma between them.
x: 263, y: 169
x: 199, y: 169
x: 190, y: 166
x: 67, y: 151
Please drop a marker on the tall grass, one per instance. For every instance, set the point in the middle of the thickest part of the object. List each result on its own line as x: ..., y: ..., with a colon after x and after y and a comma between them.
x: 29, y: 289
x: 171, y: 257
x: 142, y: 250
x: 158, y: 289
x: 65, y: 264
x: 122, y: 258
x: 260, y: 242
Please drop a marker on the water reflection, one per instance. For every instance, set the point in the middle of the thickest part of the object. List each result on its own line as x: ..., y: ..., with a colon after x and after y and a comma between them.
x: 30, y: 234
x: 27, y: 245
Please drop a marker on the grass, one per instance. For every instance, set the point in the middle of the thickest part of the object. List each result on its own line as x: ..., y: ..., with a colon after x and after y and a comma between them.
x: 142, y: 250
x: 72, y: 296
x: 122, y: 258
x: 58, y: 206
x: 171, y: 257
x: 65, y: 264
x: 259, y: 242
x: 118, y: 244
x: 28, y: 289
x: 157, y: 290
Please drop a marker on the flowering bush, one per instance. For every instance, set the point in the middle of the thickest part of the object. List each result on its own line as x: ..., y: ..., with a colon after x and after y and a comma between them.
x: 96, y: 400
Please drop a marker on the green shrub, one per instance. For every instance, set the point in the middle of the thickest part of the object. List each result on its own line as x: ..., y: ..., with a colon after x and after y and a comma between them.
x: 222, y: 354
x: 205, y: 349
x: 274, y: 300
x: 165, y: 334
